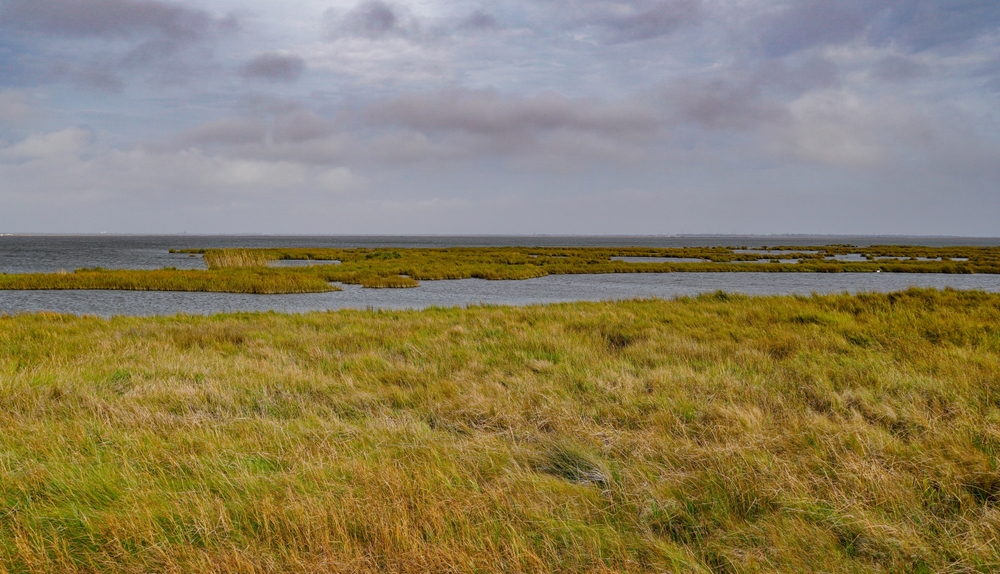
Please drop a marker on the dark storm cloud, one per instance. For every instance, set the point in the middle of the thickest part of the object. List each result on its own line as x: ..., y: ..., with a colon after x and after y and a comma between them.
x: 109, y: 18
x: 274, y: 68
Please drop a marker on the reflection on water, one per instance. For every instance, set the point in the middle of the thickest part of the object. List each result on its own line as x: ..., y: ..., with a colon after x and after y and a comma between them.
x: 549, y: 289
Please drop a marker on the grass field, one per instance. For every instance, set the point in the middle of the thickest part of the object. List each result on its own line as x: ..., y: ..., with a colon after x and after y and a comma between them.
x: 713, y: 434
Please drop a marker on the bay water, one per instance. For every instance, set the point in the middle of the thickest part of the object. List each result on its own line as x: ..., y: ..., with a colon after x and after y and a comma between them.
x: 30, y: 254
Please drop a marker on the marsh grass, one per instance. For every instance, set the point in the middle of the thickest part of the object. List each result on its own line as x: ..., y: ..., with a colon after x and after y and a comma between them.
x: 506, y: 263
x: 247, y: 271
x: 711, y: 434
x: 260, y: 281
x: 235, y: 258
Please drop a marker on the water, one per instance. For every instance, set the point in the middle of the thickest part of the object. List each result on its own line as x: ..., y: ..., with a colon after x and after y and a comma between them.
x: 659, y: 259
x: 24, y: 254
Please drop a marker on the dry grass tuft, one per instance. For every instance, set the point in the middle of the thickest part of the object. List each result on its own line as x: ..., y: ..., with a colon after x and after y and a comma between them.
x: 235, y: 258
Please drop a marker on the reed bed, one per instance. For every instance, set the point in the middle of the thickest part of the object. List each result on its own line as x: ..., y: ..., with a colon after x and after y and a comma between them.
x: 712, y: 434
x: 235, y: 258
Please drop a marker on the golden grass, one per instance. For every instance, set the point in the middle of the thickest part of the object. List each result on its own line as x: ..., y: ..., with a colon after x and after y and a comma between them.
x: 235, y: 258
x: 502, y: 263
x: 715, y: 434
x: 260, y: 280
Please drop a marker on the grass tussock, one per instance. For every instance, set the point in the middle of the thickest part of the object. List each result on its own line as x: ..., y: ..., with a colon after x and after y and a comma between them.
x: 235, y: 258
x: 711, y: 434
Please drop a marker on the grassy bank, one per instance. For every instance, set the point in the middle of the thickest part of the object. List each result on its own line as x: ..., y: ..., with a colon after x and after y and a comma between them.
x: 716, y: 434
x: 258, y: 280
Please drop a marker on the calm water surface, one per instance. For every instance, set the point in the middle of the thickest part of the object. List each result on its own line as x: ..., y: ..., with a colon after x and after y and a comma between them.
x: 24, y: 254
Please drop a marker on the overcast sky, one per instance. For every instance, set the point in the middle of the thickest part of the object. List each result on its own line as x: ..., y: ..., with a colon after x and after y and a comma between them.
x: 525, y: 116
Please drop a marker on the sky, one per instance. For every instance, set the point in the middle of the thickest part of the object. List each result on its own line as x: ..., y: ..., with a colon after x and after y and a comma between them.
x: 519, y: 117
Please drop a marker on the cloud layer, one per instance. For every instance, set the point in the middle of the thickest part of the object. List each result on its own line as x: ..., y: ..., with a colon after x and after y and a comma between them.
x: 630, y: 107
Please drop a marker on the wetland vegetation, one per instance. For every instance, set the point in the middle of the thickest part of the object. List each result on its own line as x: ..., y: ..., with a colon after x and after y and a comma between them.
x: 242, y: 280
x: 249, y: 270
x: 711, y: 434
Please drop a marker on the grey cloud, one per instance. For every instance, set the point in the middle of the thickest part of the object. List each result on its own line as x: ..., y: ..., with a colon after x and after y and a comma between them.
x: 638, y: 19
x: 376, y: 20
x: 110, y: 18
x: 98, y: 78
x: 15, y: 107
x: 165, y: 42
x: 748, y: 98
x: 991, y: 71
x: 227, y: 132
x: 301, y: 125
x: 924, y: 24
x: 548, y: 129
x: 479, y: 20
x: 621, y: 21
x: 149, y: 52
x: 721, y: 105
x: 487, y: 112
x: 269, y: 122
x: 913, y: 24
x: 451, y: 125
x: 274, y: 68
x: 259, y: 105
x: 372, y: 19
x: 899, y: 69
x: 794, y: 26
